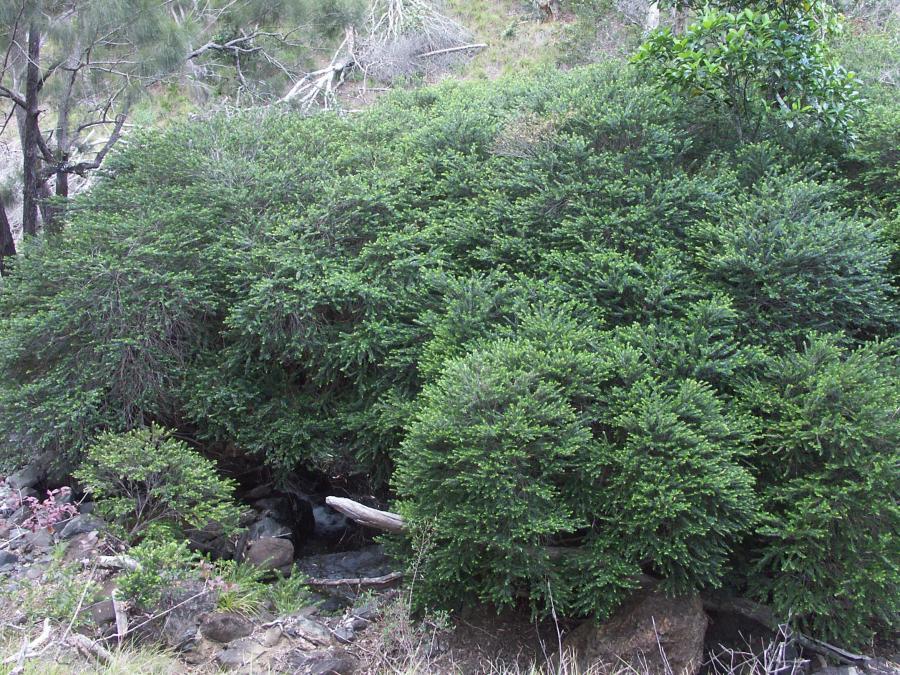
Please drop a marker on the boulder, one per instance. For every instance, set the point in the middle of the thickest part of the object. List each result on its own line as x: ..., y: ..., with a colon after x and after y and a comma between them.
x: 8, y: 559
x: 240, y: 654
x: 225, y: 626
x: 270, y: 553
x: 102, y: 612
x: 81, y: 524
x: 633, y: 636
x: 81, y: 546
x: 26, y: 477
x: 38, y: 540
x: 178, y: 629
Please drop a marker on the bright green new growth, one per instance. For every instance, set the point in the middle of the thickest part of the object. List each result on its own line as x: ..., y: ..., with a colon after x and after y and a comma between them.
x: 146, y: 479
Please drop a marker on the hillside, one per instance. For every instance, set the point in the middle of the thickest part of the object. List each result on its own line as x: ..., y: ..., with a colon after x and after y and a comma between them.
x: 495, y: 345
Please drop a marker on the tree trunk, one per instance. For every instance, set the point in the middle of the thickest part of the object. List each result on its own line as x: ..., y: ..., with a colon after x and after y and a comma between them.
x: 30, y: 142
x: 7, y: 243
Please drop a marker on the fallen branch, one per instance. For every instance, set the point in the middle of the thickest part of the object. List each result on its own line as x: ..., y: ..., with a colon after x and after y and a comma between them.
x: 450, y: 50
x: 29, y: 649
x: 359, y: 581
x: 90, y: 648
x: 365, y: 515
x: 119, y: 562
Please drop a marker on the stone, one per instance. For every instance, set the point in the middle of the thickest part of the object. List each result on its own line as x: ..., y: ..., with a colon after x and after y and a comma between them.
x: 225, y: 626
x: 8, y: 558
x: 272, y: 636
x: 344, y: 634
x: 635, y: 632
x: 311, y: 631
x: 190, y: 604
x: 38, y: 540
x: 27, y: 477
x: 80, y: 525
x: 81, y: 546
x: 270, y: 553
x: 102, y: 612
x: 239, y: 654
x: 326, y: 662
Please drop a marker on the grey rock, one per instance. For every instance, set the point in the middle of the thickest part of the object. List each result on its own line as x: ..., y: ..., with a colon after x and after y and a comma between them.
x: 81, y: 524
x: 38, y: 540
x: 25, y: 478
x: 311, y: 631
x: 239, y: 654
x: 225, y: 627
x: 327, y: 662
x: 180, y: 625
x: 86, y: 508
x: 8, y: 558
x: 20, y: 515
x: 102, y: 612
x: 80, y: 546
x: 634, y: 633
x: 344, y: 634
x: 270, y: 553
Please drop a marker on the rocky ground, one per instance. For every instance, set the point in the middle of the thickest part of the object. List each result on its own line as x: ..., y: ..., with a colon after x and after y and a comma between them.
x: 50, y: 555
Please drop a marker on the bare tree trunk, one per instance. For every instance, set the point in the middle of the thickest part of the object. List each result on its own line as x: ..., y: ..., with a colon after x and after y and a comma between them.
x: 7, y: 243
x: 651, y: 20
x: 31, y: 137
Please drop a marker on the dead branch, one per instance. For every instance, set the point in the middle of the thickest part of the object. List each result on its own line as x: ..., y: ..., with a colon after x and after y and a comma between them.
x: 121, y: 562
x: 384, y: 580
x: 29, y: 650
x: 450, y: 50
x: 364, y: 515
x: 90, y: 648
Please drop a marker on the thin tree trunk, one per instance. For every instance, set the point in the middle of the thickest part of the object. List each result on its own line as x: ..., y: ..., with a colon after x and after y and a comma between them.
x: 30, y: 150
x: 7, y: 243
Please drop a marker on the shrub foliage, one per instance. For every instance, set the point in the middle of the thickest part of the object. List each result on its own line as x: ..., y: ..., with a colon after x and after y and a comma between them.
x: 579, y: 335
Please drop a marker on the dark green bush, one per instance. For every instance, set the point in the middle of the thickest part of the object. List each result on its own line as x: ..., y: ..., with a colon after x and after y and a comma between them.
x: 614, y: 271
x: 828, y: 463
x: 565, y: 436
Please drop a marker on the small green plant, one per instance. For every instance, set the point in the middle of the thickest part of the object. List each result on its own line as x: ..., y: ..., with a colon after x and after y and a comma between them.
x: 147, y: 478
x: 61, y: 594
x: 288, y: 594
x: 160, y: 565
x: 240, y: 587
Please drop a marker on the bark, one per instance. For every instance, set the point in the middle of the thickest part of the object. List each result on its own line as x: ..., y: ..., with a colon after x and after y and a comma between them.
x: 7, y: 243
x: 31, y: 135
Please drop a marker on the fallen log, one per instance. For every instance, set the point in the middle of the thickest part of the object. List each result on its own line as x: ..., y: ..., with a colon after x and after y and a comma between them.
x: 384, y: 580
x: 365, y: 515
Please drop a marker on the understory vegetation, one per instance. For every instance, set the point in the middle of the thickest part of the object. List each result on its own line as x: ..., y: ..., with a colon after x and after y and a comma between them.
x: 578, y: 327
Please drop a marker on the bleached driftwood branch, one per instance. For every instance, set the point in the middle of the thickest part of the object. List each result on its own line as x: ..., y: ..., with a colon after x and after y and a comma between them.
x: 365, y: 515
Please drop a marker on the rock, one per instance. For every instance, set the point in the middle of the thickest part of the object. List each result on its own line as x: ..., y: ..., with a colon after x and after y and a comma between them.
x: 239, y: 654
x: 86, y: 508
x: 8, y: 558
x: 20, y: 515
x: 344, y: 634
x: 839, y: 670
x: 80, y: 525
x: 38, y: 540
x: 102, y: 612
x: 270, y: 553
x: 180, y: 625
x: 27, y: 477
x: 225, y: 627
x: 36, y: 571
x: 634, y: 633
x: 81, y: 546
x: 328, y: 662
x: 311, y: 631
x: 212, y: 540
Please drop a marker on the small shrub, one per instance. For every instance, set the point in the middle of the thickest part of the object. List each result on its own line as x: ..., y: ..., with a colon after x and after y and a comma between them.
x: 47, y: 513
x: 161, y: 564
x: 288, y: 594
x: 146, y: 478
x: 240, y: 587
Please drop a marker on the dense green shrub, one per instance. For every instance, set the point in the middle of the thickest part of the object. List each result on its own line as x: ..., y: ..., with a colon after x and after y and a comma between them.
x: 146, y: 479
x: 828, y: 463
x: 564, y: 435
x: 563, y: 283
